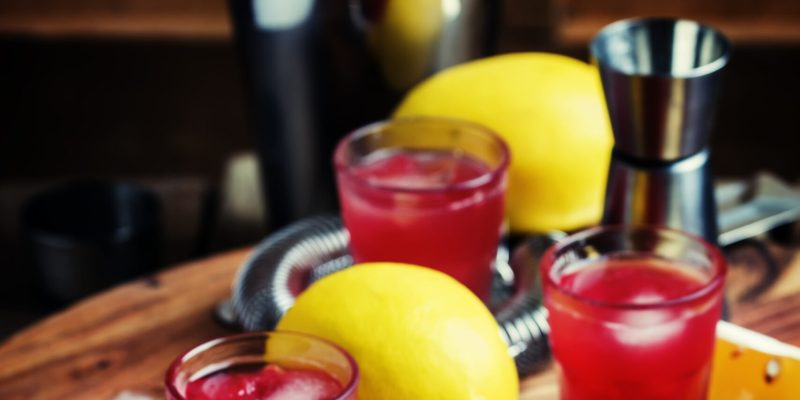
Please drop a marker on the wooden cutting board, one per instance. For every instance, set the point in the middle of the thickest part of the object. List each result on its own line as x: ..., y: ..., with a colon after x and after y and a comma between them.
x: 117, y: 345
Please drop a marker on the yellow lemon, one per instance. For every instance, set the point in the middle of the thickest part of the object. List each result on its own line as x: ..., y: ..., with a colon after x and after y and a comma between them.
x: 415, y: 333
x: 403, y: 40
x: 550, y: 110
x: 751, y: 366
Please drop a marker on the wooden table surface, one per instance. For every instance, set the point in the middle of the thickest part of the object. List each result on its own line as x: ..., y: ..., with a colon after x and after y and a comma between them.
x: 117, y: 345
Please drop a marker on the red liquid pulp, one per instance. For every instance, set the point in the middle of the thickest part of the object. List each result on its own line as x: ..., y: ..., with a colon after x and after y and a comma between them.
x: 431, y: 208
x: 258, y: 382
x: 633, y: 329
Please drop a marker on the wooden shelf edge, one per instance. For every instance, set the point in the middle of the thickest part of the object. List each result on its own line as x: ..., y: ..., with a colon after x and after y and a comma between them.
x: 578, y: 31
x: 192, y: 27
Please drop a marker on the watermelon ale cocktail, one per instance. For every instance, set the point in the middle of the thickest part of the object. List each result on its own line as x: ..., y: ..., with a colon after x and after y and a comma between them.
x: 632, y: 312
x: 263, y: 366
x: 426, y: 191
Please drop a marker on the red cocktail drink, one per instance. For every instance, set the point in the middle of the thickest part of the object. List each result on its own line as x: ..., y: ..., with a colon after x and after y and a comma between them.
x: 425, y: 191
x: 264, y: 382
x: 632, y: 312
x: 263, y: 366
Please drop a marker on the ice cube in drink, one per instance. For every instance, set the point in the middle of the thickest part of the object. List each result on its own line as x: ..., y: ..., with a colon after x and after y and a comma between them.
x: 263, y: 382
x: 440, y: 209
x: 632, y: 328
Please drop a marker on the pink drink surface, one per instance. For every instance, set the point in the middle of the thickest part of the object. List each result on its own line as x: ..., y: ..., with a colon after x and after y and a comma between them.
x: 439, y: 219
x: 257, y: 382
x: 650, y: 350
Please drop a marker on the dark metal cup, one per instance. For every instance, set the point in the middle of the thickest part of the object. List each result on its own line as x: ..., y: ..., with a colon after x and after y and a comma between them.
x: 315, y: 70
x: 661, y: 78
x: 83, y: 237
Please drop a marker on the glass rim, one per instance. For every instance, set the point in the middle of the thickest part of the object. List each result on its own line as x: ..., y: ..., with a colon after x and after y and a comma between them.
x: 169, y: 378
x: 716, y: 259
x: 638, y: 22
x: 496, y: 172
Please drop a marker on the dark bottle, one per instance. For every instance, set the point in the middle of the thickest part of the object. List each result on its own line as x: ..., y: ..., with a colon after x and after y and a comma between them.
x: 317, y: 69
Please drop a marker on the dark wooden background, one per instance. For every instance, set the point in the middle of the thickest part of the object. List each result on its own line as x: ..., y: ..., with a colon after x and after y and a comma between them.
x: 150, y: 91
x: 152, y: 88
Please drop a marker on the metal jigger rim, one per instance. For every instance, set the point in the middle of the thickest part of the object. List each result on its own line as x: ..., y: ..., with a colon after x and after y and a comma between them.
x: 626, y: 24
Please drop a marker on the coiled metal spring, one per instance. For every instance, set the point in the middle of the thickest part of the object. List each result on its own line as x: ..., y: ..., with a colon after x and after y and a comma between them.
x: 289, y: 260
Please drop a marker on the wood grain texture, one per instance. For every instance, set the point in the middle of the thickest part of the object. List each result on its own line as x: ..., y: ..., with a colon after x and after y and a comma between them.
x: 174, y: 19
x: 123, y: 340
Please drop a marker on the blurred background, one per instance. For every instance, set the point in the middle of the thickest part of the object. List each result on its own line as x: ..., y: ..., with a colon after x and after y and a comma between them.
x: 153, y: 93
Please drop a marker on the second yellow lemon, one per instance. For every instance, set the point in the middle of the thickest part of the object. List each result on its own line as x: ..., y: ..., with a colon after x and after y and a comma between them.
x: 550, y: 110
x: 416, y: 333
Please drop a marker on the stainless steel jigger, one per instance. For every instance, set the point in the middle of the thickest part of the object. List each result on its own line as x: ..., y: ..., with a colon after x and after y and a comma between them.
x: 661, y: 78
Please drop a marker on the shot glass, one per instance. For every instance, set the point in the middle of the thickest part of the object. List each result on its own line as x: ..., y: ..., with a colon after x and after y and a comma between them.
x: 309, y: 368
x: 426, y: 191
x: 632, y: 312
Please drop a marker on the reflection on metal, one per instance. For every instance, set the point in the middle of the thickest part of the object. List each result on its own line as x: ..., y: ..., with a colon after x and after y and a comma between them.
x: 750, y: 208
x: 278, y: 15
x: 661, y: 79
x: 316, y: 69
x: 678, y: 194
x: 410, y: 39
